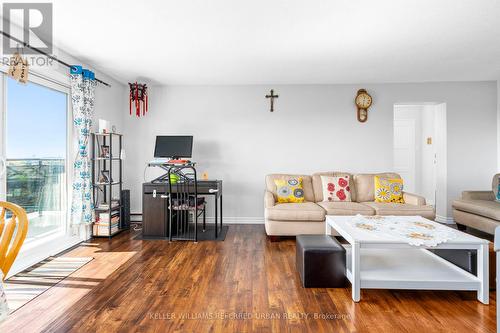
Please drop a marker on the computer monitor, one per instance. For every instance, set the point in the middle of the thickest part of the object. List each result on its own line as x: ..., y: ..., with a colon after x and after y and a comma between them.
x: 173, y: 146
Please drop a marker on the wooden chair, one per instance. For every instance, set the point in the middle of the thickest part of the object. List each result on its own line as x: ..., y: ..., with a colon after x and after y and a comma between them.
x: 13, y: 232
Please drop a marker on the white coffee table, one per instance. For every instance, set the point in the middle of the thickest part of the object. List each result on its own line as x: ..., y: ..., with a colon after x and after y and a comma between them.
x: 377, y: 262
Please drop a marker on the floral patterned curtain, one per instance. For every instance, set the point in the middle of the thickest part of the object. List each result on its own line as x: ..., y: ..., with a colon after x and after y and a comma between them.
x: 82, y: 96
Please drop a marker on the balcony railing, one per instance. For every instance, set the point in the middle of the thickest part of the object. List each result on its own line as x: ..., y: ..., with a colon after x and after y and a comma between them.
x: 38, y: 185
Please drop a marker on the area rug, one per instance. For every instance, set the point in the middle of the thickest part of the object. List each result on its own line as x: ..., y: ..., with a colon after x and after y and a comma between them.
x: 32, y: 282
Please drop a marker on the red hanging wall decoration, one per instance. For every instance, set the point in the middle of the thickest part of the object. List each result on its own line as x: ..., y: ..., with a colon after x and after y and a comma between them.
x: 139, y: 98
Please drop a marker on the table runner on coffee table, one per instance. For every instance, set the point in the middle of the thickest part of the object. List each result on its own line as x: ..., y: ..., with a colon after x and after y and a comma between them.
x: 414, y: 230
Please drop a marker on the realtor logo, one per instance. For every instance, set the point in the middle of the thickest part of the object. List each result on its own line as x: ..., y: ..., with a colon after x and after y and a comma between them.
x: 29, y: 22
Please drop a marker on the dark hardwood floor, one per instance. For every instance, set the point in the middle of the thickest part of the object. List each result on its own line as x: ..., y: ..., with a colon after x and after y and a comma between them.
x: 244, y: 284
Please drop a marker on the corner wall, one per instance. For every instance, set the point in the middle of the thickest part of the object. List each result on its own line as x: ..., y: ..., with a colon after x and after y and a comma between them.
x: 498, y: 125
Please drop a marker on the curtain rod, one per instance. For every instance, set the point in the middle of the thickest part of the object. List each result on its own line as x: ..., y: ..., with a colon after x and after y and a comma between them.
x: 46, y: 54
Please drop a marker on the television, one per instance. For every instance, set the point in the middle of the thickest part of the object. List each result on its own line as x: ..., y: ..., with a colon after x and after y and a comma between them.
x: 172, y: 146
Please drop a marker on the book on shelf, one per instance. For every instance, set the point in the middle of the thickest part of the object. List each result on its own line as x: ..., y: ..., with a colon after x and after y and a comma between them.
x: 116, y: 222
x: 103, y: 218
x: 114, y: 204
x: 103, y: 230
x: 106, y: 224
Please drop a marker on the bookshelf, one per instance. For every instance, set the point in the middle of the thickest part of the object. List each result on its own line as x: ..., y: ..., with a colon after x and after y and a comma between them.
x: 107, y: 168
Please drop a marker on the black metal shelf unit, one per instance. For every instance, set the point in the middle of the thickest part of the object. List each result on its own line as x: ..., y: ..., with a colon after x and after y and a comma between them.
x: 104, y: 203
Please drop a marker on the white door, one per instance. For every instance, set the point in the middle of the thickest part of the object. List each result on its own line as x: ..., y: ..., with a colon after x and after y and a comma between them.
x: 404, y: 152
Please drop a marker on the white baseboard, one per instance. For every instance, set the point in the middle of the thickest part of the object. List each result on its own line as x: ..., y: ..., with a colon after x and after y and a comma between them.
x: 137, y: 217
x: 239, y: 220
x: 445, y: 219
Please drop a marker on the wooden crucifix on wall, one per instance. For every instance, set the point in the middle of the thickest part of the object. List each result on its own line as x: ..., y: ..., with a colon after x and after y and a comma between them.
x: 272, y: 96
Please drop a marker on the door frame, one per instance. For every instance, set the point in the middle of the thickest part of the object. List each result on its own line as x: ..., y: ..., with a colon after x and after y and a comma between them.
x: 441, y: 166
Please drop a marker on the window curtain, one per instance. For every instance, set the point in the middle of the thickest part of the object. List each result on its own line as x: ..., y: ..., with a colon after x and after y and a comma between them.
x: 82, y: 96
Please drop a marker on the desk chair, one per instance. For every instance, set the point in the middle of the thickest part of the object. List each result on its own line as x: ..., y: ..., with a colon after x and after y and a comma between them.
x: 183, y: 203
x: 10, y: 242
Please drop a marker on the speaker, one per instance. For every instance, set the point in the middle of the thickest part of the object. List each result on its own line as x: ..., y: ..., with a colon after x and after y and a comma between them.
x: 125, y: 210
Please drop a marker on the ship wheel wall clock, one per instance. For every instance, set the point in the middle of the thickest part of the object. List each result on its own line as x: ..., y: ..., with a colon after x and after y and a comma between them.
x: 363, y: 101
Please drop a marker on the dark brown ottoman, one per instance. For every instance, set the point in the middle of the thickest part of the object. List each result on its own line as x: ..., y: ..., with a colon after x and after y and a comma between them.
x: 320, y: 261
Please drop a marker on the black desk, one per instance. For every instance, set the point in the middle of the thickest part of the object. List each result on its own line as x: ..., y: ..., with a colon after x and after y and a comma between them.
x: 155, y: 206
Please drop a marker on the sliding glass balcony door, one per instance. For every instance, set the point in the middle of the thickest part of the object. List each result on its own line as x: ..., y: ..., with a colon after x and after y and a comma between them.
x: 35, y: 146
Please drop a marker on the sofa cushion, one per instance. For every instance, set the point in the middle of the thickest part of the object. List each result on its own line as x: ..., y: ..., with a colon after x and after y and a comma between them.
x: 318, y: 186
x: 346, y: 208
x: 306, y: 184
x: 402, y: 209
x: 484, y: 208
x: 364, y: 185
x: 307, y: 211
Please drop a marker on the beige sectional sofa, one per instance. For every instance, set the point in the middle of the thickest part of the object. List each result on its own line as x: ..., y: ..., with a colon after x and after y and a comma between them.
x: 478, y: 209
x: 290, y: 219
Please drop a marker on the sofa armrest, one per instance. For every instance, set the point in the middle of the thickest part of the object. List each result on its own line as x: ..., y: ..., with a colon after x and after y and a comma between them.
x: 478, y: 195
x: 413, y: 199
x: 269, y: 200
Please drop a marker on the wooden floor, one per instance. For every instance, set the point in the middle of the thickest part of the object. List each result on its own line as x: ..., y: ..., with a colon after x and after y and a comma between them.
x: 244, y: 284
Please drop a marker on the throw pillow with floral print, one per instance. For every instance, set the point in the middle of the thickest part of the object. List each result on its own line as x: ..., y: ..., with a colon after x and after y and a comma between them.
x: 289, y: 190
x: 336, y: 188
x: 388, y: 190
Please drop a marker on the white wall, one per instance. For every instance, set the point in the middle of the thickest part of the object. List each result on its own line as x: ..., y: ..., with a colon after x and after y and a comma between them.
x: 314, y: 128
x: 498, y: 124
x: 109, y: 103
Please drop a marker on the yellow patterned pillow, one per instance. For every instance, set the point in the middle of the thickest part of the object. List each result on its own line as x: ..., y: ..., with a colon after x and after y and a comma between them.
x: 388, y: 190
x: 289, y: 190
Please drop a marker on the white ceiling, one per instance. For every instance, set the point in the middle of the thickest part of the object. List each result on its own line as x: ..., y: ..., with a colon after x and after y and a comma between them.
x: 283, y: 41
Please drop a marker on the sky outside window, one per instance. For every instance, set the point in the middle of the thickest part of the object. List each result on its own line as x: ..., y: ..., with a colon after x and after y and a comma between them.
x: 36, y: 121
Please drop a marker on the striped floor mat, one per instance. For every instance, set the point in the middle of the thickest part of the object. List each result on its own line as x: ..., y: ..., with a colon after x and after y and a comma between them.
x: 32, y: 282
